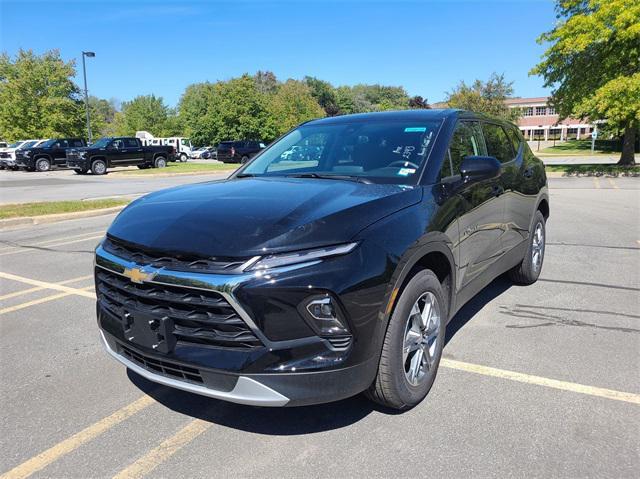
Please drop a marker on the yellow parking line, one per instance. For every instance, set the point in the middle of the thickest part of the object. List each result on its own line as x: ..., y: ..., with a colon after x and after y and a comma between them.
x: 596, y: 182
x: 47, y: 285
x: 54, y: 453
x: 46, y: 299
x: 42, y: 243
x: 541, y: 381
x: 39, y: 288
x: 613, y: 184
x: 164, y: 451
x: 25, y: 249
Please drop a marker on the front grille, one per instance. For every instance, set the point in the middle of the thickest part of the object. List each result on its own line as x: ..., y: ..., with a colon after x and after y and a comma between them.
x: 198, y: 316
x: 163, y: 367
x: 174, y: 263
x: 4, y: 154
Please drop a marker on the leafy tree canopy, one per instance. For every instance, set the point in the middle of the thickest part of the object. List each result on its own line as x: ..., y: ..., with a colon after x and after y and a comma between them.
x: 484, y: 97
x: 146, y: 112
x: 592, y: 64
x: 291, y: 105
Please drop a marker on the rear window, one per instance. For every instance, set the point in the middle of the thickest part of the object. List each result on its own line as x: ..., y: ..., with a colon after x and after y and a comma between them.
x: 498, y: 144
x: 225, y: 144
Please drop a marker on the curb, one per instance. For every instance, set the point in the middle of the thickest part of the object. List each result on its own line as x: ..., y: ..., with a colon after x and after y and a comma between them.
x: 38, y: 220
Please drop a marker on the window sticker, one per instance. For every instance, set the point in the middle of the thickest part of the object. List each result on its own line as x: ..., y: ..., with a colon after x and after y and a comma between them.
x: 406, y: 171
x: 415, y: 129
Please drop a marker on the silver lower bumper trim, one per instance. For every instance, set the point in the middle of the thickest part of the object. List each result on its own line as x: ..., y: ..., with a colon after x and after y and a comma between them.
x: 246, y: 391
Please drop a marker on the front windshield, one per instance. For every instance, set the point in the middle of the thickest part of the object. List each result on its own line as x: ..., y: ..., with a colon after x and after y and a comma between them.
x: 101, y: 143
x: 380, y: 151
x: 28, y: 144
x: 48, y: 143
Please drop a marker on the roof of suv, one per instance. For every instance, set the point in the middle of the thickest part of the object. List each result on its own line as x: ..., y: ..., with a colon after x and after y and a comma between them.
x: 402, y: 115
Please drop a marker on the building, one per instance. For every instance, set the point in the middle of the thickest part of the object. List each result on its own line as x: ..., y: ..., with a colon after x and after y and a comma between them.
x: 539, y: 121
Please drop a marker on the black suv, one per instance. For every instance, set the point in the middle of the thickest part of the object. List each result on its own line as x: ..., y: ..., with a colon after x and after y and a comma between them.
x: 238, y: 151
x: 305, y: 281
x: 48, y: 154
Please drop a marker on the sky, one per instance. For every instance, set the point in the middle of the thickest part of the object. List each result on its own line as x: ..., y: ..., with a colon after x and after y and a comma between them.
x: 160, y: 47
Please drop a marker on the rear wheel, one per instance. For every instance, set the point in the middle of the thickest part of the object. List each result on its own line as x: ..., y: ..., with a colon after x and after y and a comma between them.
x: 160, y: 162
x: 412, y: 345
x: 99, y: 167
x: 43, y: 165
x: 528, y: 271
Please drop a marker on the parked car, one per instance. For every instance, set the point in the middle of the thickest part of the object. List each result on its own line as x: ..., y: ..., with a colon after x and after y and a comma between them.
x: 197, y: 153
x: 48, y: 154
x: 8, y: 155
x: 238, y: 151
x: 317, y: 280
x: 209, y: 153
x: 121, y: 151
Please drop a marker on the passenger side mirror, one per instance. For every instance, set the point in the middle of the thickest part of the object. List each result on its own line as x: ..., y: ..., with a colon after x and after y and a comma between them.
x: 478, y: 168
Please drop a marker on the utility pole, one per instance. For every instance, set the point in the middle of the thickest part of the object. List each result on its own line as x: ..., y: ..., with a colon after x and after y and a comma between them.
x: 86, y: 94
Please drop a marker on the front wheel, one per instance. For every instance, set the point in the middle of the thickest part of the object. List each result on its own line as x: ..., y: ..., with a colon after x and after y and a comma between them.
x: 160, y: 162
x: 413, y: 344
x: 528, y: 271
x: 98, y: 167
x: 183, y: 158
x: 43, y: 165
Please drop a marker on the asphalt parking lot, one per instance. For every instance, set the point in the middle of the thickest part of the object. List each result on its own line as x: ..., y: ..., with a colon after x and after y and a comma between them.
x: 538, y: 381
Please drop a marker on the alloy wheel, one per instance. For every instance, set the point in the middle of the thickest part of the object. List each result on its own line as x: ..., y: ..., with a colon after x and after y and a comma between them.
x: 421, y: 338
x: 537, y: 247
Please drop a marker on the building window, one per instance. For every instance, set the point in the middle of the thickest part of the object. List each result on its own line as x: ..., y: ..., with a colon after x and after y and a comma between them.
x: 541, y: 110
x: 551, y: 110
x: 528, y: 111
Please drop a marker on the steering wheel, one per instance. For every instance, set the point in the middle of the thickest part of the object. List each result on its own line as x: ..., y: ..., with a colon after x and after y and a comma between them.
x: 403, y: 163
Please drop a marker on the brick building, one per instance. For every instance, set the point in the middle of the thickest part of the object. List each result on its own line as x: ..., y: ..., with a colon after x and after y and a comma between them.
x: 539, y: 121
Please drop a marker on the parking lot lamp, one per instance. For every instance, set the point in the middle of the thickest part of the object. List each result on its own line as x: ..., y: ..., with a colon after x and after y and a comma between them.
x: 86, y: 95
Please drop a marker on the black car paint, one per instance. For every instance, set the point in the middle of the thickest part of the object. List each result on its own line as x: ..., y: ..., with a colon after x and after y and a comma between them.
x: 241, y: 149
x: 56, y: 154
x: 82, y: 158
x: 466, y: 232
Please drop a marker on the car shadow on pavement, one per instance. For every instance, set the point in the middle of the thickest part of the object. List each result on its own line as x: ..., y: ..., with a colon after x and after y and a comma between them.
x: 469, y: 310
x: 261, y: 420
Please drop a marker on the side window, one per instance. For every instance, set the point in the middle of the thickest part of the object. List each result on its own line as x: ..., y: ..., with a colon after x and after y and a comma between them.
x: 466, y: 141
x: 76, y: 143
x: 498, y: 144
x: 514, y: 136
x: 130, y: 143
x: 117, y: 144
x: 62, y: 144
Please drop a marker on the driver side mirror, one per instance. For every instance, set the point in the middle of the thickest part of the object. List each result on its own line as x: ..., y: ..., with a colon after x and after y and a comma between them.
x: 479, y: 168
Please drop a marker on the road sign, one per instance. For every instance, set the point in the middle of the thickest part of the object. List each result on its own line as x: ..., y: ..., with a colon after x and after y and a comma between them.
x: 594, y: 134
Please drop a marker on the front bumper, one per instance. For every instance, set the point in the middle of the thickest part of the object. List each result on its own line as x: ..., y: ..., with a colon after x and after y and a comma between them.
x: 290, y: 366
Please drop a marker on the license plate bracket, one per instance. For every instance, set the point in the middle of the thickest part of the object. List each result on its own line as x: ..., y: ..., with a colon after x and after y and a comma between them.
x: 149, y: 331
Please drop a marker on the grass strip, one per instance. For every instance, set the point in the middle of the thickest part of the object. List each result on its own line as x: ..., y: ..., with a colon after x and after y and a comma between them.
x: 55, y: 207
x: 173, y: 168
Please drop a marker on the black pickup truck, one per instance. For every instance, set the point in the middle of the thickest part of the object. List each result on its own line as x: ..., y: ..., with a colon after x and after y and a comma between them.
x: 48, y: 154
x: 120, y: 151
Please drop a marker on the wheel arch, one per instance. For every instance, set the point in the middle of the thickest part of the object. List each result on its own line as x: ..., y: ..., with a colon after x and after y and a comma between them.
x: 41, y: 156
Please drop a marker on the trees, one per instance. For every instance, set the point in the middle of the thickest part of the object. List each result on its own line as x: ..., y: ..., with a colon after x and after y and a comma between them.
x: 145, y: 112
x: 324, y: 94
x: 103, y: 113
x: 38, y: 98
x: 417, y: 102
x: 484, y: 97
x: 292, y: 104
x: 593, y: 64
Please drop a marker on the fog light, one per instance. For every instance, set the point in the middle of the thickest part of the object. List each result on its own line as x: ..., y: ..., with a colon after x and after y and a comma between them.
x: 324, y: 316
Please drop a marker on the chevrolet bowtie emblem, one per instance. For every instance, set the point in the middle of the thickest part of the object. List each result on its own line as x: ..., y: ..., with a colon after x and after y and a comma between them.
x: 137, y: 275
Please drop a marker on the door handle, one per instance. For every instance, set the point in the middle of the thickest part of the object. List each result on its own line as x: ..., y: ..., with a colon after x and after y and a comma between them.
x: 528, y: 173
x: 497, y: 190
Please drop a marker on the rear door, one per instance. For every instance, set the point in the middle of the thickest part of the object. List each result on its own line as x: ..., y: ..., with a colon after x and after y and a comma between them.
x: 481, y: 212
x: 133, y: 151
x: 59, y: 152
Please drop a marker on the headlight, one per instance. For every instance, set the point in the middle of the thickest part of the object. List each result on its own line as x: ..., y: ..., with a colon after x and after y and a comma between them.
x: 308, y: 256
x: 27, y: 153
x: 82, y: 154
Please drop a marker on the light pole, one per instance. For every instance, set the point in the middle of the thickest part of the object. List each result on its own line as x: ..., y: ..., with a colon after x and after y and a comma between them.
x: 86, y: 95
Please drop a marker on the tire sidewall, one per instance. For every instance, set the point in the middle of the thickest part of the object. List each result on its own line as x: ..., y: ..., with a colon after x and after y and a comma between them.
x: 160, y: 162
x: 98, y: 162
x: 183, y: 158
x: 424, y: 281
x: 538, y: 218
x: 43, y: 161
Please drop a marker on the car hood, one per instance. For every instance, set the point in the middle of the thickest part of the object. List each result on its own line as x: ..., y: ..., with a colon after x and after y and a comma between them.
x: 252, y: 216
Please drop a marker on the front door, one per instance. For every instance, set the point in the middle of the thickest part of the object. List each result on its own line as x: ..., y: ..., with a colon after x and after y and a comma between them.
x: 481, y: 214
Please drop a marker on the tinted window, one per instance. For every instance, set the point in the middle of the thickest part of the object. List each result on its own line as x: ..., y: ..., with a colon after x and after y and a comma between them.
x: 130, y: 143
x: 498, y: 144
x: 514, y: 136
x: 76, y: 143
x: 62, y: 144
x: 466, y: 141
x: 117, y: 144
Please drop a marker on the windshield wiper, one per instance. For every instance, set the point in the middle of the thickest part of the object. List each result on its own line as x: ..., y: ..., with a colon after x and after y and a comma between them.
x: 358, y: 179
x: 245, y: 175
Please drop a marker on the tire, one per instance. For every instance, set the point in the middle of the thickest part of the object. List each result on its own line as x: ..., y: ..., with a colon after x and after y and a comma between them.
x: 43, y: 165
x: 79, y: 171
x: 183, y: 158
x: 99, y: 167
x: 244, y: 160
x: 399, y: 384
x: 528, y: 271
x: 160, y: 162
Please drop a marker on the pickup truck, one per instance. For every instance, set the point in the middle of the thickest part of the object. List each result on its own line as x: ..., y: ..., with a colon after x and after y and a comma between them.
x: 48, y: 154
x: 119, y: 151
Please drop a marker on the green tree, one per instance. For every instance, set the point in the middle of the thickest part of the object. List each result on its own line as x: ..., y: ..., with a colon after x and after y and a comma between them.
x: 146, y: 112
x: 324, y: 94
x: 193, y: 113
x: 484, y: 97
x: 266, y: 82
x: 103, y: 113
x: 592, y: 63
x: 38, y: 98
x: 417, y: 102
x: 291, y: 105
